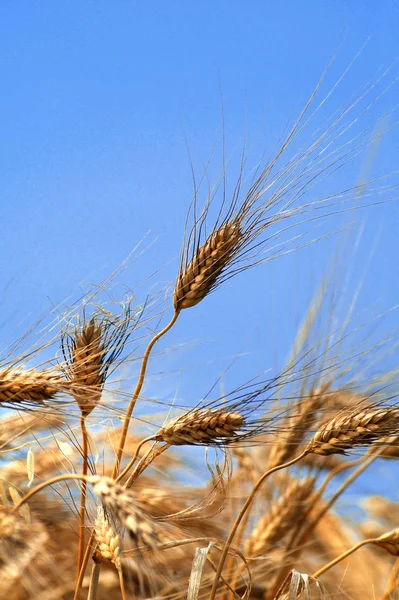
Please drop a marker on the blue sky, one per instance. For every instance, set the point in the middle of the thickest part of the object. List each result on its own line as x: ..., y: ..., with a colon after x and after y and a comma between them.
x: 99, y: 103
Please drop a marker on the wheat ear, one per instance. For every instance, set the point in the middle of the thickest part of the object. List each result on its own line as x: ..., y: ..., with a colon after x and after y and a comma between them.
x: 281, y: 517
x: 108, y: 543
x: 86, y: 369
x: 28, y: 386
x: 197, y: 279
x: 203, y: 426
x: 354, y: 429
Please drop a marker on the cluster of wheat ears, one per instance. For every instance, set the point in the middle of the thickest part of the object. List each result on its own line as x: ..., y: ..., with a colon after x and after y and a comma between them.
x: 94, y: 506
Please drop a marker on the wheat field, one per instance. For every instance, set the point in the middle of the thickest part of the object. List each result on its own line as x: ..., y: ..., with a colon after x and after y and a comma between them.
x: 109, y: 493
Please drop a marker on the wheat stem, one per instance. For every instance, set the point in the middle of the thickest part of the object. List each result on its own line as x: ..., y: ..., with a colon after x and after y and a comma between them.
x: 81, y: 574
x: 133, y: 460
x: 95, y: 574
x: 82, y: 510
x: 137, y: 391
x: 241, y: 515
x: 341, y: 557
x: 121, y: 583
x: 44, y: 484
x: 146, y: 460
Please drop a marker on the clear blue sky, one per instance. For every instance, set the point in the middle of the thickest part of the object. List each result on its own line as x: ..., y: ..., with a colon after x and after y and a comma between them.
x: 96, y: 101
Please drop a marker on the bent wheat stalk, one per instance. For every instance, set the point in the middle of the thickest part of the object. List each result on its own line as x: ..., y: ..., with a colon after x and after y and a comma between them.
x: 137, y: 391
x: 241, y: 515
x: 389, y: 542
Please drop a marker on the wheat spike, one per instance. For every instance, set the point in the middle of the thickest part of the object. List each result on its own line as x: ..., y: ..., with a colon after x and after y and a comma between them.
x: 144, y: 531
x: 30, y: 386
x: 86, y: 369
x: 108, y: 543
x: 204, y: 426
x: 281, y: 517
x: 201, y: 274
x: 342, y: 433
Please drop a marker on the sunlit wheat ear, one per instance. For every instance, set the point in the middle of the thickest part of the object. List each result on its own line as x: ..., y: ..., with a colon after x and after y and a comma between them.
x: 349, y: 430
x: 108, y: 542
x: 31, y: 387
x: 281, y: 517
x: 90, y: 349
x: 197, y: 278
x: 205, y: 426
x: 124, y: 508
x: 86, y: 368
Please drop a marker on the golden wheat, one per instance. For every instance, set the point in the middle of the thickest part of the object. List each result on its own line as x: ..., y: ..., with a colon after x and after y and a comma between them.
x: 198, y: 278
x: 204, y: 426
x: 349, y: 430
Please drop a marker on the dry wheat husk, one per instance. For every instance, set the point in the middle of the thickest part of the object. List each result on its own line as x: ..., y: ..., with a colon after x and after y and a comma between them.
x: 197, y: 279
x: 28, y: 386
x: 204, y: 426
x: 349, y: 430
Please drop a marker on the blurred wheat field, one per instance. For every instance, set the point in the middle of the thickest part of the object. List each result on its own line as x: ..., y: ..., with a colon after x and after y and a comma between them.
x: 108, y: 492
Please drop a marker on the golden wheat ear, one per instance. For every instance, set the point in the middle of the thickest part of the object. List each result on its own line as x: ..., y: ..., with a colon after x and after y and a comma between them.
x: 281, y: 517
x: 201, y: 274
x: 351, y: 429
x: 91, y: 348
x: 108, y: 541
x: 123, y: 506
x: 29, y: 387
x: 205, y: 426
